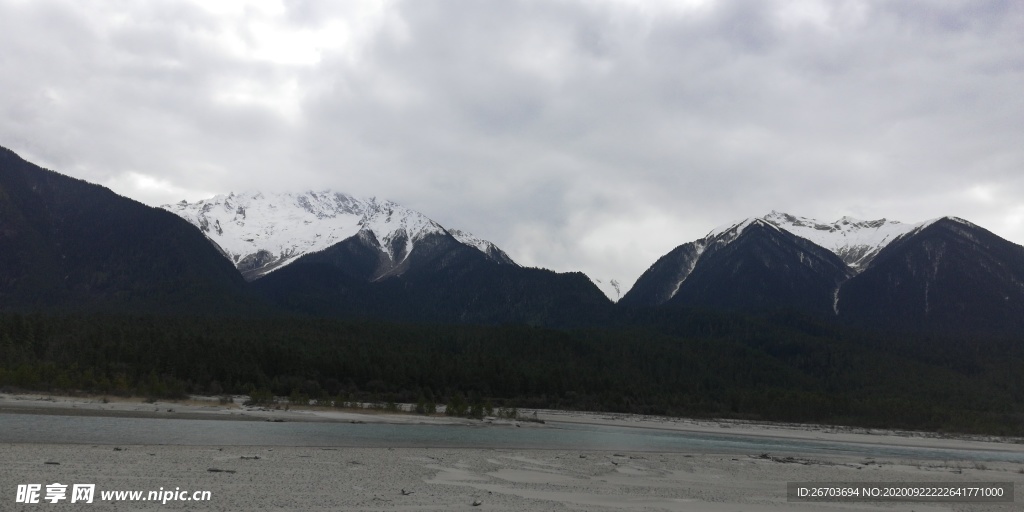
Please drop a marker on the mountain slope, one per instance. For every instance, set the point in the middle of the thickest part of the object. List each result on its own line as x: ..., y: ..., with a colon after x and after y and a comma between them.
x: 764, y: 268
x: 332, y: 254
x: 66, y: 244
x: 856, y: 242
x: 260, y: 232
x: 947, y: 275
x: 611, y: 287
x: 446, y: 281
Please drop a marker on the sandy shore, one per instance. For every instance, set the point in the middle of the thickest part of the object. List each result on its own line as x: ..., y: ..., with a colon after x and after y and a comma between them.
x: 265, y: 479
x: 795, y: 431
x: 242, y: 478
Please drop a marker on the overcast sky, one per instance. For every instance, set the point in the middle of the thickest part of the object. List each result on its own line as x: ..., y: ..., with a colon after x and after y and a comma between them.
x: 576, y: 135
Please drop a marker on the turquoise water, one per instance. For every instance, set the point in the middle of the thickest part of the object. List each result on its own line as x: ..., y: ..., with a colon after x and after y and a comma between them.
x: 35, y: 428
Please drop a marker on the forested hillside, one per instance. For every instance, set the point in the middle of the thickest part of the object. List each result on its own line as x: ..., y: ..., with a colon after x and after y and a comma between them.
x: 783, y: 367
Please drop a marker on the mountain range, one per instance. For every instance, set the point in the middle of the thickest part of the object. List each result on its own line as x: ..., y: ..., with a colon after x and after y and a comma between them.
x: 260, y: 232
x: 328, y: 253
x: 944, y: 274
x: 67, y: 244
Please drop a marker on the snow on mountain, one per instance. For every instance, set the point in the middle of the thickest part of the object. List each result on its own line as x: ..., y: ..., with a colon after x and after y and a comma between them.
x: 388, y: 221
x: 482, y: 245
x: 856, y: 242
x: 728, y: 232
x: 262, y: 232
x: 715, y: 239
x: 610, y: 287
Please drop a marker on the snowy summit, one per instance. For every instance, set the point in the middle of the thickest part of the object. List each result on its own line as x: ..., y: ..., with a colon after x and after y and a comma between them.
x: 261, y: 232
x: 856, y: 242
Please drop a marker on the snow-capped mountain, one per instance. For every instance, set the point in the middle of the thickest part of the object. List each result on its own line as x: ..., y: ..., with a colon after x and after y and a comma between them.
x: 67, y: 245
x: 753, y: 262
x: 946, y: 274
x: 261, y: 232
x: 857, y: 242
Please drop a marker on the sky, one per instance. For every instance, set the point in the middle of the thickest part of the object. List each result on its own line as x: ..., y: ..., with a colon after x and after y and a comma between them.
x: 588, y: 136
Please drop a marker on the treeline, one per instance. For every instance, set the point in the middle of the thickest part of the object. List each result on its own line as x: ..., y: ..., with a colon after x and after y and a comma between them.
x: 783, y: 367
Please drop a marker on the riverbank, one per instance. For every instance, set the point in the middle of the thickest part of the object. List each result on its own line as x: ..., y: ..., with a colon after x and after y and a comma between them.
x: 426, y: 479
x: 247, y: 477
x: 216, y: 408
x: 210, y: 408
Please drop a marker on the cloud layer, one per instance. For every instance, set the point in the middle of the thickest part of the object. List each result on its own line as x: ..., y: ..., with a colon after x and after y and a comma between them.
x: 577, y: 135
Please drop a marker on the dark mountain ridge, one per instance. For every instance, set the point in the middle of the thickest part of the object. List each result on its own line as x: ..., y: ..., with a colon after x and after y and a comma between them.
x: 744, y: 323
x: 764, y: 268
x: 946, y: 275
x: 66, y: 244
x: 69, y: 245
x: 950, y: 275
x: 442, y: 281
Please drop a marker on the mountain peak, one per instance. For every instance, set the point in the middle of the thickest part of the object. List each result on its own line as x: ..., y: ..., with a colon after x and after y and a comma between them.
x: 957, y: 220
x: 729, y: 232
x: 856, y: 241
x: 260, y: 232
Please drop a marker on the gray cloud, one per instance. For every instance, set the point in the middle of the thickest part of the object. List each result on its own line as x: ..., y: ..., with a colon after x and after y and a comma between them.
x: 588, y: 136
